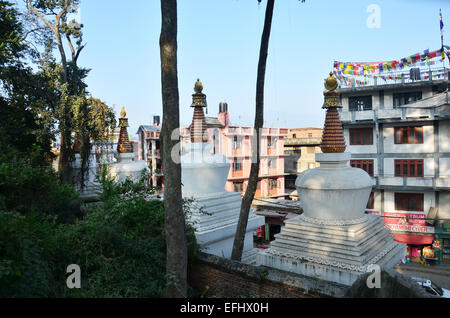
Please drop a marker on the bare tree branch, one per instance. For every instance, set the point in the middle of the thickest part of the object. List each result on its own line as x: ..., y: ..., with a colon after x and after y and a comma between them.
x: 238, y: 244
x: 79, y: 49
x: 63, y: 12
x: 72, y: 49
x: 32, y: 31
x: 41, y: 16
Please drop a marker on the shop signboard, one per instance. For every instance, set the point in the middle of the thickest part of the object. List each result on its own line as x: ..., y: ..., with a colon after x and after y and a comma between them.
x: 407, y: 222
x: 410, y: 228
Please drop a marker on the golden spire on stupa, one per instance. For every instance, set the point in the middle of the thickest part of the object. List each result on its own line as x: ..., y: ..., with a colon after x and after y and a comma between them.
x: 333, y: 135
x: 124, y: 145
x: 123, y: 113
x: 198, y: 86
x: 198, y: 126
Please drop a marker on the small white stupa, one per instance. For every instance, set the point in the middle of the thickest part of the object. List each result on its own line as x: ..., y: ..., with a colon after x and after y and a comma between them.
x: 333, y: 239
x: 215, y: 211
x: 92, y: 186
x: 126, y: 167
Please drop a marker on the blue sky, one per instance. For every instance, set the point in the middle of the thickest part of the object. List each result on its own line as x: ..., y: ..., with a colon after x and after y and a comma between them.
x: 218, y: 42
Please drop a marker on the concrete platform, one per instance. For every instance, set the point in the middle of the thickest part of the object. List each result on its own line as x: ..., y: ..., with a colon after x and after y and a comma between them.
x: 215, y: 217
x: 334, y: 251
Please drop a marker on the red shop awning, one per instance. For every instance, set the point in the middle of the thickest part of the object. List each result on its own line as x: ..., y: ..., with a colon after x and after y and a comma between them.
x: 413, y: 239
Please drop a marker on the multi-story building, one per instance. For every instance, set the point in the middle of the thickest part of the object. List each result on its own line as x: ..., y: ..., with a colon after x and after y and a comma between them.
x: 236, y: 142
x: 300, y: 150
x: 149, y: 150
x: 399, y: 133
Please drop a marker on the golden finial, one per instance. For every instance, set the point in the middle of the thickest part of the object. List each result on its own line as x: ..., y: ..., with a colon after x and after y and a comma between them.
x: 331, y: 83
x: 198, y: 86
x: 123, y: 113
x: 333, y: 140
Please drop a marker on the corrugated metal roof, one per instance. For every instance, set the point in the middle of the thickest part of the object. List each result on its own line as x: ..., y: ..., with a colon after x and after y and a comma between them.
x: 213, y: 122
x: 149, y: 128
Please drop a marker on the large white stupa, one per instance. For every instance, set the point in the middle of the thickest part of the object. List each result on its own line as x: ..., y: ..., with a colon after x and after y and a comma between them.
x: 333, y: 239
x: 204, y: 174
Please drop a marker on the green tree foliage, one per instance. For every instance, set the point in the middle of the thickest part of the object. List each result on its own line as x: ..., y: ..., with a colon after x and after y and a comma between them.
x: 73, y: 107
x: 24, y: 269
x: 119, y: 246
x: 93, y: 123
x: 27, y: 182
x: 24, y: 96
x: 120, y: 243
x: 27, y: 187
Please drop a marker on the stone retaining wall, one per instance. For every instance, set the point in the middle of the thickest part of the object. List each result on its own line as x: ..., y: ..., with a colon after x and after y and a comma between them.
x: 218, y: 277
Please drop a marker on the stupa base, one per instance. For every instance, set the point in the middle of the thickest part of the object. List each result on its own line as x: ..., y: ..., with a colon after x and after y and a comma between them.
x: 126, y: 167
x: 336, y: 251
x: 215, y: 227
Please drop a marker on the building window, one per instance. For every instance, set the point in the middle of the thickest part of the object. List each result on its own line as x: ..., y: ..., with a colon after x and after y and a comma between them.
x: 237, y: 165
x: 409, y: 168
x: 371, y: 202
x: 310, y: 135
x: 237, y: 143
x: 361, y: 136
x: 238, y: 186
x: 409, y: 201
x: 294, y: 136
x: 272, y: 184
x: 406, y: 98
x: 359, y: 103
x: 408, y: 135
x: 366, y: 165
x: 272, y: 164
x: 271, y: 142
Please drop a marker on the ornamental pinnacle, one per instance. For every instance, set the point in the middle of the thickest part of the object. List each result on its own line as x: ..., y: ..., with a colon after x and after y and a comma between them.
x: 333, y: 134
x: 198, y: 126
x: 124, y: 145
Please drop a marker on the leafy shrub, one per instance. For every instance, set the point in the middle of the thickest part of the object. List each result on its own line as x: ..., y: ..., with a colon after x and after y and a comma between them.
x: 119, y: 246
x: 26, y: 187
x: 24, y: 241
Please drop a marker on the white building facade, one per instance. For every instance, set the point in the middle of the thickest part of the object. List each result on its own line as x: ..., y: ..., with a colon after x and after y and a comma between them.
x: 149, y: 150
x: 400, y: 135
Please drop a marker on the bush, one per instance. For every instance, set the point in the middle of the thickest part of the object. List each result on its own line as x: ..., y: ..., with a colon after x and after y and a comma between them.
x: 119, y: 246
x: 26, y: 187
x: 24, y: 242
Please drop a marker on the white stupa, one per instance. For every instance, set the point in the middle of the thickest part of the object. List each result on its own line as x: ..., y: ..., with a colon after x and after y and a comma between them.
x: 125, y: 167
x: 215, y: 211
x: 333, y: 239
x: 92, y: 186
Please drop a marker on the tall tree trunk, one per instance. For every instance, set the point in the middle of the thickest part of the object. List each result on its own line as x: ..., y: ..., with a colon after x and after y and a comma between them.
x: 175, y: 226
x: 247, y: 200
x: 65, y: 131
x: 65, y: 155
